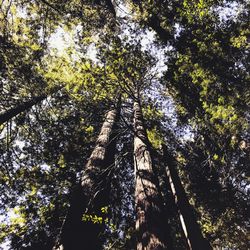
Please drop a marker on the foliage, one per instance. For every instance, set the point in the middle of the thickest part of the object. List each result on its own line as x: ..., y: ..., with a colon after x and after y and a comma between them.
x: 205, y: 86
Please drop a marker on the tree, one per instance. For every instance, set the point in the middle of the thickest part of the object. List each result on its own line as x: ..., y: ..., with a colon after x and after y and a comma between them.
x: 151, y: 228
x: 92, y: 194
x: 204, y: 59
x: 43, y: 150
x: 190, y: 226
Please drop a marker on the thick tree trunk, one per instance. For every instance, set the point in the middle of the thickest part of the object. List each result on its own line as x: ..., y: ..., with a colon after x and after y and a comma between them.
x: 191, y: 229
x: 92, y: 193
x: 9, y: 114
x: 151, y: 226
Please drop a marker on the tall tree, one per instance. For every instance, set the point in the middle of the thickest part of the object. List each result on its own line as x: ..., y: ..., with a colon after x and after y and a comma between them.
x: 152, y: 229
x: 189, y: 223
x: 93, y: 192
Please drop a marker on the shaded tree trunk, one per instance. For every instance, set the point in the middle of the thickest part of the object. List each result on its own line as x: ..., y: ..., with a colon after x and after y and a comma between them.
x: 111, y: 7
x: 151, y: 226
x: 191, y: 228
x: 93, y: 192
x: 108, y: 4
x: 9, y: 114
x: 154, y: 23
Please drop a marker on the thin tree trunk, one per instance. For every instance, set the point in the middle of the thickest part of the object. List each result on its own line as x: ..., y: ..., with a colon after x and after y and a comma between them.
x: 93, y: 192
x: 151, y: 225
x: 191, y: 229
x: 9, y: 114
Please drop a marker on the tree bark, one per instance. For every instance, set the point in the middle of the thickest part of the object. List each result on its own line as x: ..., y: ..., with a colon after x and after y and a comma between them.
x: 191, y: 229
x: 151, y: 227
x: 93, y: 191
x: 9, y: 114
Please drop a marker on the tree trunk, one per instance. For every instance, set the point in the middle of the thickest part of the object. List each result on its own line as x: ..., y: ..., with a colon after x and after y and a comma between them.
x: 93, y: 192
x: 191, y: 229
x: 151, y: 226
x: 154, y: 23
x: 9, y: 114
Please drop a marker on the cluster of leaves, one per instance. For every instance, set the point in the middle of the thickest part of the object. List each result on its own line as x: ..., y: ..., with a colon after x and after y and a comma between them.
x: 208, y: 76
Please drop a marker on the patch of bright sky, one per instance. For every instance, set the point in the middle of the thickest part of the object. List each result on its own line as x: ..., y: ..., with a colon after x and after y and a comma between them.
x: 229, y: 10
x: 60, y: 40
x: 5, y: 245
x: 159, y: 52
x: 92, y: 53
x: 178, y: 30
x: 21, y: 12
x: 167, y: 106
x: 156, y: 94
x: 145, y: 38
x: 20, y: 144
x: 45, y: 167
x: 11, y: 215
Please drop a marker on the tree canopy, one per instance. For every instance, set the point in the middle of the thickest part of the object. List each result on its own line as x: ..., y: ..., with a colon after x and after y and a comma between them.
x: 127, y: 120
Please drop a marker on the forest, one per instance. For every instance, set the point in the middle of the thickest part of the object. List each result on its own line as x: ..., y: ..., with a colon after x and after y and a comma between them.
x: 124, y: 124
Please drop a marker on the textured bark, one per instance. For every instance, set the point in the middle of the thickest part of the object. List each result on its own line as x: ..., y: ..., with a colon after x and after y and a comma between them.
x: 100, y: 159
x: 93, y: 191
x: 191, y: 229
x: 151, y: 225
x: 9, y: 114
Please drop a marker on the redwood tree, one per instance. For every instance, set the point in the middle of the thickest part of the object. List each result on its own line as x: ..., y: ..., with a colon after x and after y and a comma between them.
x: 92, y: 193
x: 151, y: 226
